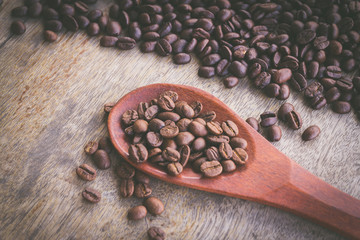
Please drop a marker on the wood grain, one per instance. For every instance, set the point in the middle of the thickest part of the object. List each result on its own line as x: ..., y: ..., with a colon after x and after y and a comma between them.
x: 51, y: 100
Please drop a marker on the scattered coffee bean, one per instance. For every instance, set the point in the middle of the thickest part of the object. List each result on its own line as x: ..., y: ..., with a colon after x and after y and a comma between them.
x: 284, y: 110
x: 91, y: 195
x: 127, y: 187
x: 273, y: 133
x: 101, y: 159
x: 137, y: 213
x: 268, y: 119
x: 18, y: 27
x: 294, y: 120
x: 91, y: 147
x: 211, y: 168
x: 86, y: 172
x: 310, y: 133
x: 105, y: 144
x: 155, y: 233
x: 253, y: 122
x: 154, y: 205
x: 142, y: 190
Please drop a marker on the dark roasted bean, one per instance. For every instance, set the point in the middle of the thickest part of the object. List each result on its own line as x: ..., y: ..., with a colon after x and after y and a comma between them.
x: 137, y: 213
x: 294, y: 120
x: 101, y: 159
x: 253, y: 123
x: 86, y: 172
x: 311, y: 133
x: 18, y: 27
x: 91, y: 195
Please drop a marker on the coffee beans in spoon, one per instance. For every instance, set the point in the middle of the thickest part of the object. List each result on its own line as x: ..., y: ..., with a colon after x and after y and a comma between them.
x: 174, y: 134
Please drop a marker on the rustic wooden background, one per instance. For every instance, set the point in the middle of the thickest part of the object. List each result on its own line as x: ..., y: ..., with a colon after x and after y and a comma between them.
x: 51, y: 105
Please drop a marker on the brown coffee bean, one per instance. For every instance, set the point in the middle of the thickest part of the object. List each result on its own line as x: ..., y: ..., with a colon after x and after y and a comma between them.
x: 230, y: 128
x: 166, y: 103
x: 18, y: 27
x: 105, y: 144
x: 102, y: 159
x: 129, y: 117
x: 142, y: 190
x: 155, y: 233
x: 228, y: 165
x: 313, y: 90
x: 305, y: 36
x: 237, y: 142
x: 333, y: 72
x: 163, y: 47
x: 86, y: 172
x: 108, y: 41
x: 282, y: 75
x: 156, y: 124
x: 212, y: 153
x: 91, y: 147
x: 214, y: 128
x: 211, y: 168
x: 125, y: 171
x: 197, y: 129
x: 154, y: 205
x: 206, y: 72
x: 294, y: 120
x: 91, y: 195
x: 184, y: 138
x: 129, y: 131
x: 184, y: 155
x: 225, y: 150
x: 198, y: 144
x: 208, y: 116
x: 174, y: 168
x: 138, y: 153
x: 70, y: 23
x: 50, y: 36
x: 140, y: 126
x: 170, y: 155
x: 181, y: 58
x: 126, y: 43
x: 142, y: 177
x: 299, y: 82
x: 169, y: 131
x: 154, y: 139
x: 341, y: 107
x: 253, y: 122
x: 197, y: 107
x: 268, y: 119
x: 273, y: 133
x: 137, y: 213
x: 126, y: 187
x: 239, y: 156
x: 332, y: 94
x: 151, y: 112
x: 318, y: 102
x: 217, y: 139
x: 284, y: 110
x: 311, y: 133
x: 262, y: 80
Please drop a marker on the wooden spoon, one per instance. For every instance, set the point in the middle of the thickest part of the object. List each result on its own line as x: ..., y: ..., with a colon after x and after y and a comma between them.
x: 269, y: 177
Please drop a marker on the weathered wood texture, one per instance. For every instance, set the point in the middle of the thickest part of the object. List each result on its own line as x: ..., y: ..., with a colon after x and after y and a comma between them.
x: 51, y: 100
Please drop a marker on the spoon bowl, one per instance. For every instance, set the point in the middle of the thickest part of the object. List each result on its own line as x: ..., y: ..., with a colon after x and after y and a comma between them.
x: 268, y: 177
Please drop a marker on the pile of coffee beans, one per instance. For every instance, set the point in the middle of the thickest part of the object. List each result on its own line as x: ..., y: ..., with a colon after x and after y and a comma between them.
x: 287, y: 114
x: 132, y: 182
x: 172, y: 133
x: 309, y: 44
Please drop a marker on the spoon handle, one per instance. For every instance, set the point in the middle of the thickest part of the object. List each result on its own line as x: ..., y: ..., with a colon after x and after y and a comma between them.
x: 310, y: 197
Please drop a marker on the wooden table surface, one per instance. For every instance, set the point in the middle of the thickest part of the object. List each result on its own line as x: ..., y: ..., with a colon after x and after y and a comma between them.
x: 51, y: 105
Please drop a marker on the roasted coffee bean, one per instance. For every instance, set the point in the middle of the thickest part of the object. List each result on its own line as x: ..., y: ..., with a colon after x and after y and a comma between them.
x: 183, y: 124
x: 313, y: 90
x: 35, y: 9
x: 230, y: 81
x: 174, y: 168
x: 238, y: 69
x: 184, y: 138
x: 108, y: 107
x: 214, y: 128
x: 142, y: 177
x: 217, y: 139
x: 200, y: 120
x: 312, y: 69
x: 332, y: 94
x: 154, y: 205
x: 154, y: 152
x: 284, y: 110
x: 211, y: 59
x: 333, y: 72
x: 86, y: 172
x: 305, y: 36
x: 230, y: 128
x: 208, y: 116
x: 70, y: 23
x: 138, y: 153
x: 93, y: 29
x: 169, y: 116
x: 254, y: 70
x: 101, y: 159
x: 113, y: 28
x: 196, y: 162
x: 126, y: 43
x: 155, y: 233
x: 237, y: 142
x: 154, y: 139
x: 284, y: 92
x: 228, y: 165
x: 262, y: 80
x: 18, y: 27
x: 140, y: 126
x: 137, y: 213
x: 211, y: 168
x: 181, y: 58
x: 335, y: 47
x: 268, y: 119
x: 142, y: 190
x: 148, y: 46
x: 105, y: 144
x: 156, y: 124
x: 273, y: 133
x: 50, y: 14
x: 344, y: 84
x: 125, y: 171
x: 186, y: 111
x: 239, y: 156
x: 206, y: 72
x: 272, y: 90
x: 282, y: 75
x: 299, y: 82
x: 253, y: 122
x: 321, y: 42
x: 197, y: 129
x: 198, y: 144
x: 341, y: 107
x: 294, y: 120
x: 126, y: 187
x: 163, y: 47
x: 169, y: 131
x: 225, y: 150
x: 91, y: 147
x: 310, y: 133
x: 129, y: 131
x: 327, y: 82
x: 82, y: 21
x: 142, y: 108
x: 170, y: 155
x: 91, y: 195
x: 212, y: 153
x: 184, y: 155
x: 171, y: 94
x: 318, y: 102
x: 197, y: 107
x: 151, y: 112
x: 138, y: 138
